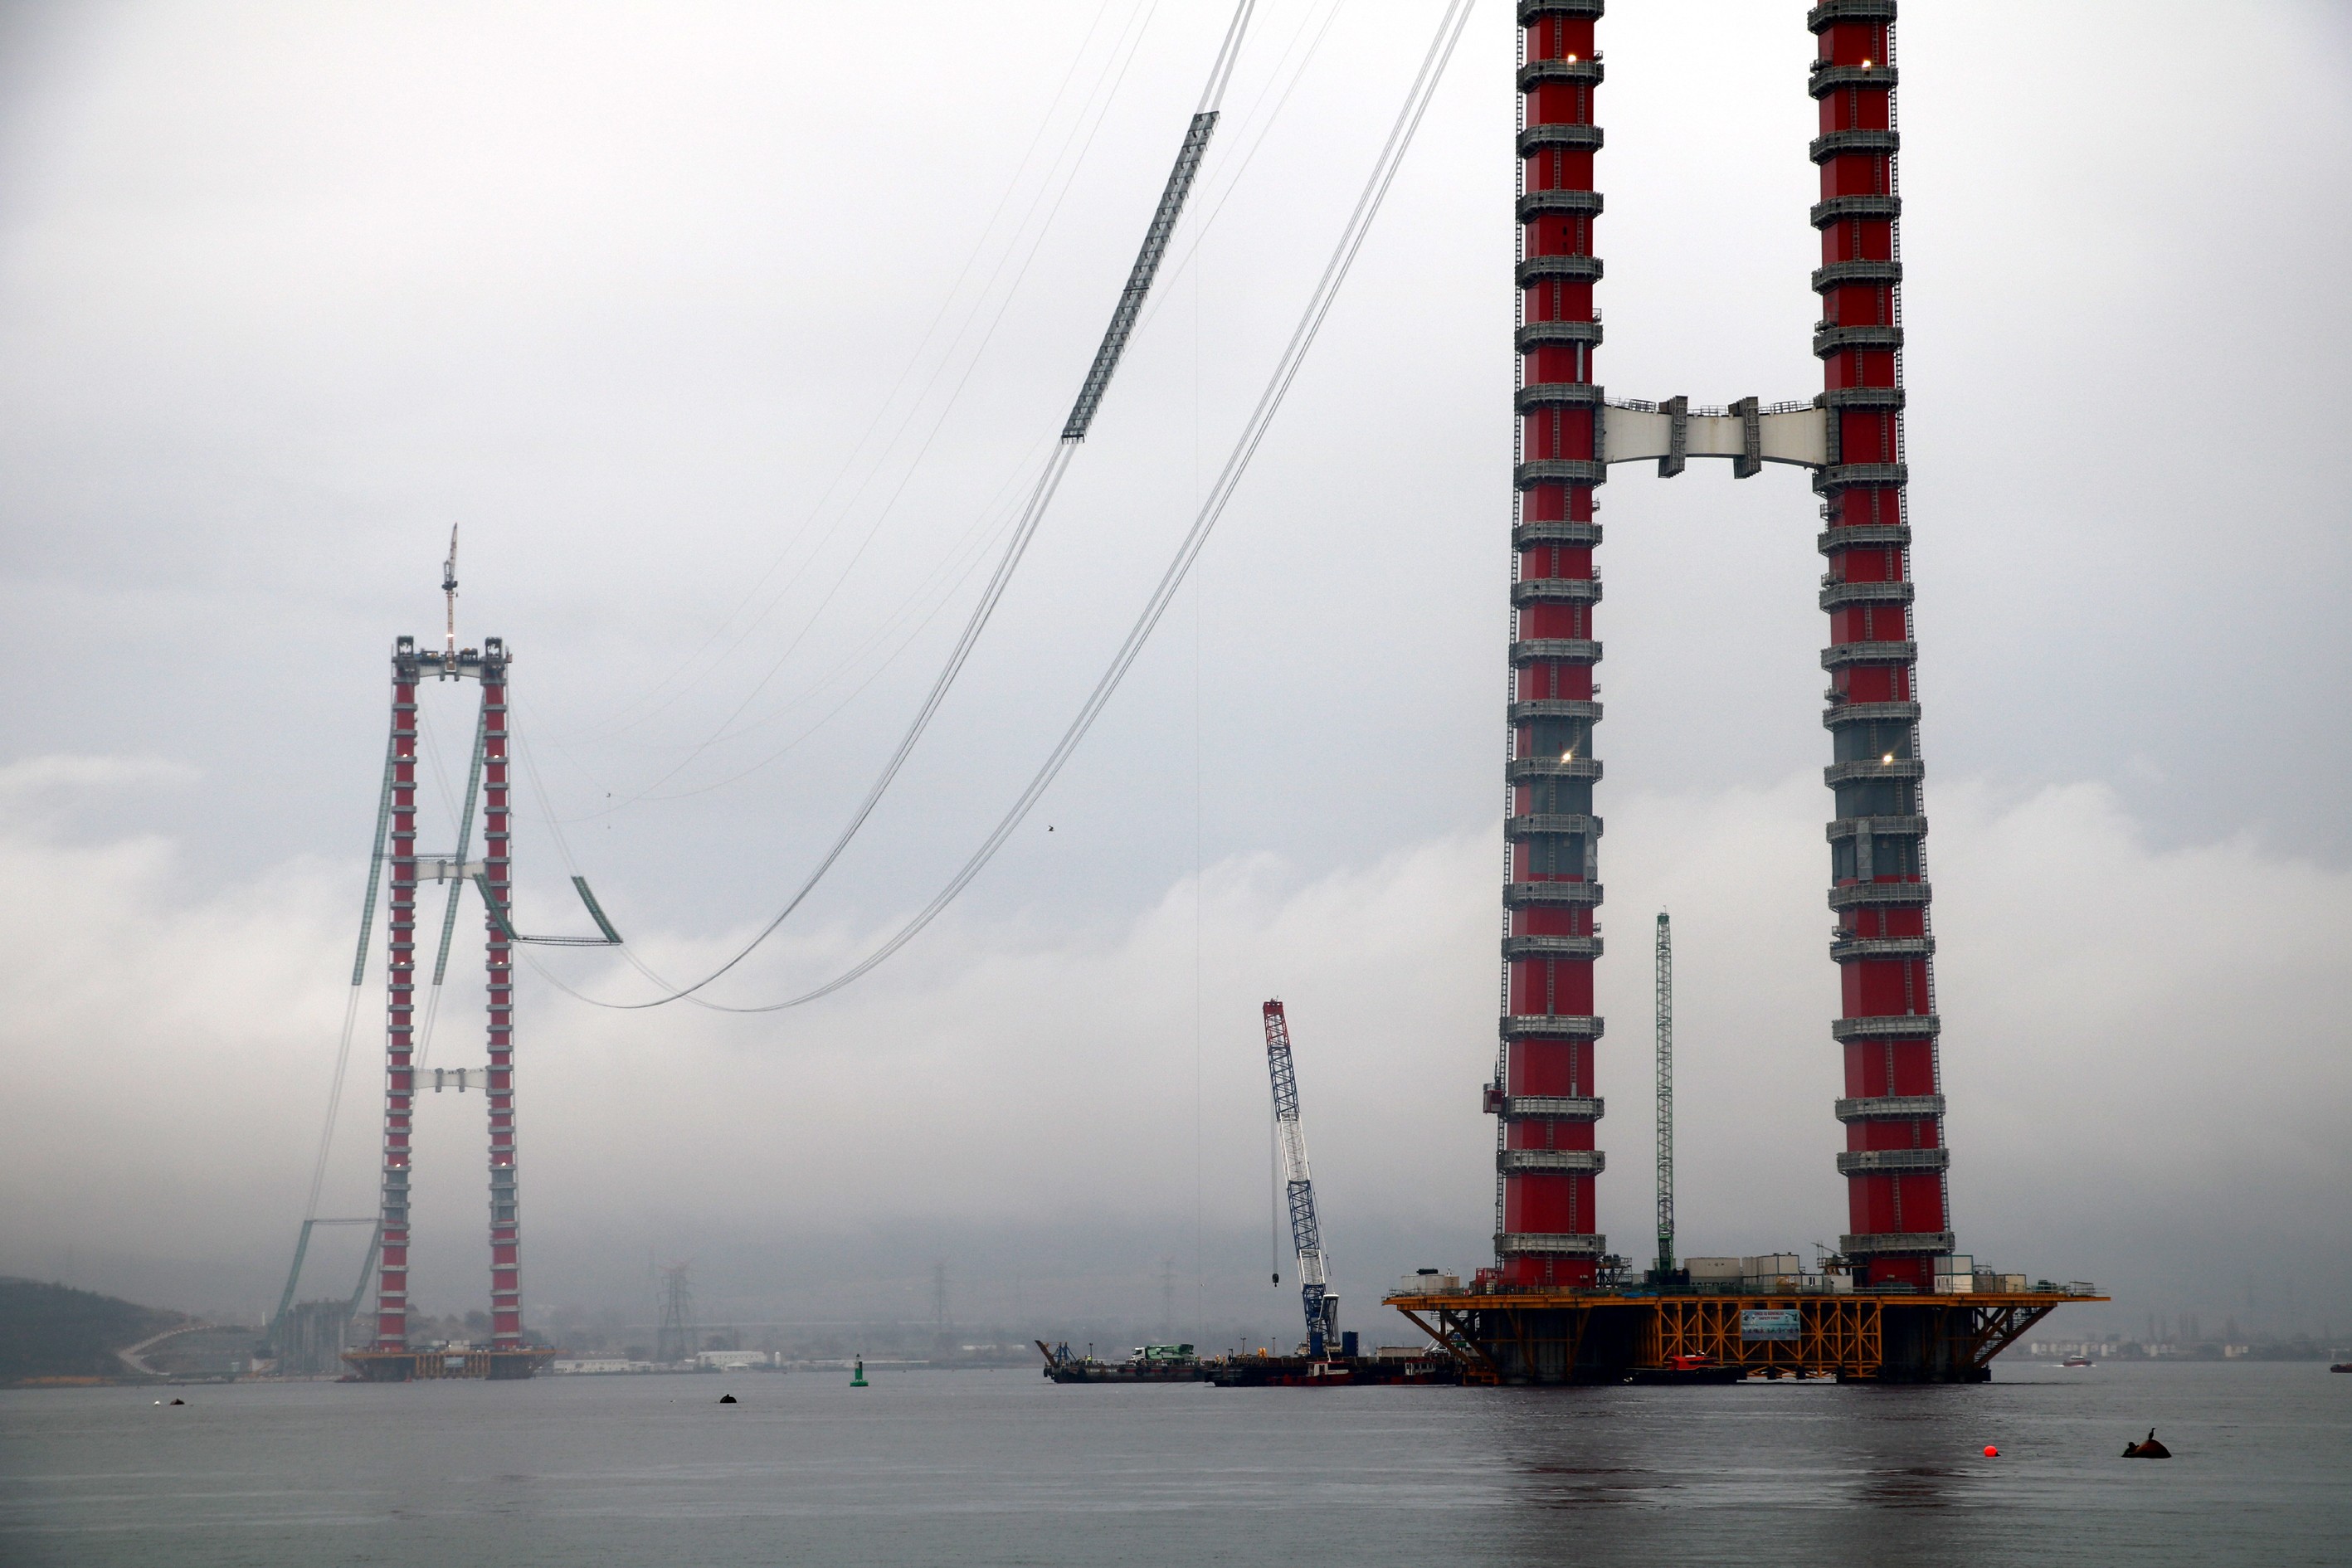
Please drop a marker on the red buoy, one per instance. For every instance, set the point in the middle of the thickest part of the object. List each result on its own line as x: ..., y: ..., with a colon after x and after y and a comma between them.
x: 1991, y: 1452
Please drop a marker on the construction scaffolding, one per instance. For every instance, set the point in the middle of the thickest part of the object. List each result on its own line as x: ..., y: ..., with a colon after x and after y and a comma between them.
x: 1573, y: 1337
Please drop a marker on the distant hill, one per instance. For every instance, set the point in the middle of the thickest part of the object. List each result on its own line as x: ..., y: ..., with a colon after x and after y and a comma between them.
x: 53, y: 1331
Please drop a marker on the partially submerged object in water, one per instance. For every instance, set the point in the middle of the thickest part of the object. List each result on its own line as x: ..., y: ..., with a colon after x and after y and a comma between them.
x: 2150, y: 1449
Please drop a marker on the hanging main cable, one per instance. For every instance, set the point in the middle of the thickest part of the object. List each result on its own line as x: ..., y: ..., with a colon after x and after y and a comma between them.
x: 1318, y: 306
x: 1280, y: 99
x: 726, y: 729
x: 1203, y: 223
x: 929, y: 335
x: 1124, y: 324
x: 1083, y: 410
x: 359, y: 973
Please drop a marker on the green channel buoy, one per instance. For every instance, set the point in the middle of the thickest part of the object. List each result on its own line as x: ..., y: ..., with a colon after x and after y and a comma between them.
x: 857, y: 1378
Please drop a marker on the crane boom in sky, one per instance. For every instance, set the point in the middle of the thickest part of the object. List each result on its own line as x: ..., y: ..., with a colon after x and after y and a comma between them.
x: 449, y: 599
x: 1665, y: 1015
x: 1306, y: 1234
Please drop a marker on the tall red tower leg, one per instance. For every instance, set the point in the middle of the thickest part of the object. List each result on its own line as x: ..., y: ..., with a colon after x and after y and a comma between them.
x: 1546, y: 1231
x: 506, y: 1222
x: 400, y: 993
x: 1894, y: 1160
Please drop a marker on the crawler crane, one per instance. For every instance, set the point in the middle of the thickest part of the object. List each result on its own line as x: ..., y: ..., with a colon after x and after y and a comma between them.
x: 1306, y: 1234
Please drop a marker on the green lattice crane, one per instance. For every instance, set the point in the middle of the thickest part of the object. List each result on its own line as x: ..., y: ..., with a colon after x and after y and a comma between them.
x: 1666, y: 1097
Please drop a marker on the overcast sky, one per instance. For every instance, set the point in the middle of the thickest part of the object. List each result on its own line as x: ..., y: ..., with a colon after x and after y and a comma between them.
x: 730, y: 333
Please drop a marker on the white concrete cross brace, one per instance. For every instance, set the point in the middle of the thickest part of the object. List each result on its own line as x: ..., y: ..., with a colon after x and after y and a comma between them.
x: 1748, y: 435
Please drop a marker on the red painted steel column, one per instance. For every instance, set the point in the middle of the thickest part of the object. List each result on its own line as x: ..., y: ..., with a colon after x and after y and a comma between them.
x: 506, y: 1223
x: 1546, y: 1231
x: 400, y: 994
x: 1894, y: 1160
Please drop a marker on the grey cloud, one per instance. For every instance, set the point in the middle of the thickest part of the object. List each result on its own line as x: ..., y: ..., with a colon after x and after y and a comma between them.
x: 1023, y: 1091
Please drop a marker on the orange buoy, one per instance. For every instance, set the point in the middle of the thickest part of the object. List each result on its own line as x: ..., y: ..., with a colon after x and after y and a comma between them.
x: 1991, y: 1452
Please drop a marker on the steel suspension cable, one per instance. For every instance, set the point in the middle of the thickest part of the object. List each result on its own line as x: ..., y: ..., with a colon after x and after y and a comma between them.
x: 359, y: 973
x: 616, y: 723
x: 1311, y: 324
x: 1041, y: 498
x: 1318, y: 306
x: 726, y: 728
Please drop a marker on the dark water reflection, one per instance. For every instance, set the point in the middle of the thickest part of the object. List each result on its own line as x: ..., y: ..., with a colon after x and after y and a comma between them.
x: 983, y: 1468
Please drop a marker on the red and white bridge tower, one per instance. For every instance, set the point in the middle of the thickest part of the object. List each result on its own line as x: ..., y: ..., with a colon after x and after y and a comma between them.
x: 1892, y: 1108
x: 1850, y: 437
x: 1545, y: 1230
x: 493, y: 873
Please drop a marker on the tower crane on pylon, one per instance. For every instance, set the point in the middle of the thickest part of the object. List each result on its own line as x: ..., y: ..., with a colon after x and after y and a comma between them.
x: 449, y: 598
x: 1306, y: 1234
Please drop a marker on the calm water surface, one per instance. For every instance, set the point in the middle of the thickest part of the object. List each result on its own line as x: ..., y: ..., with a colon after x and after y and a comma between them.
x: 1005, y: 1468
